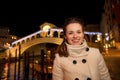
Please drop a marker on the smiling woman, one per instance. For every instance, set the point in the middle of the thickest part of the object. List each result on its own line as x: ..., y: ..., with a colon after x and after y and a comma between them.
x: 74, y: 59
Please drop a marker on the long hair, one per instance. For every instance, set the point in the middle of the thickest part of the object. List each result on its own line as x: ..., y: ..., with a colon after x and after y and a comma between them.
x: 62, y: 49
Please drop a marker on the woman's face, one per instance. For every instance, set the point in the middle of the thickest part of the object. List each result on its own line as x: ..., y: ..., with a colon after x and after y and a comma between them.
x: 74, y: 34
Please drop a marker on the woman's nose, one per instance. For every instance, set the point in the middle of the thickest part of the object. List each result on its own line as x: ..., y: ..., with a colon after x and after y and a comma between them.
x: 74, y: 35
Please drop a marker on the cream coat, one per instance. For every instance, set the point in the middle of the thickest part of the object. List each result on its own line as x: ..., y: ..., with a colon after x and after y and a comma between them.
x: 83, y: 63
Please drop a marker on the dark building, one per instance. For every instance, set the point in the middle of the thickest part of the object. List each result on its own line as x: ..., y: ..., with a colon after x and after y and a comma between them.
x: 6, y: 38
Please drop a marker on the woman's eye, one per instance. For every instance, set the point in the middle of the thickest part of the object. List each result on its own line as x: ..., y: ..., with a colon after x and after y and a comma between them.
x: 70, y: 33
x: 78, y: 32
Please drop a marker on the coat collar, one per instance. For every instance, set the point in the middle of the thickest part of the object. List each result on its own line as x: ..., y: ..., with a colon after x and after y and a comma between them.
x: 78, y: 50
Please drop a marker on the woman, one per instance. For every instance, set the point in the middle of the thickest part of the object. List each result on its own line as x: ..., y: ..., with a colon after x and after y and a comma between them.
x: 74, y: 59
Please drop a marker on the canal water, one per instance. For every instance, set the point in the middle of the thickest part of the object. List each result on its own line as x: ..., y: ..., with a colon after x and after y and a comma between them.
x: 19, y: 68
x: 12, y: 71
x: 3, y: 69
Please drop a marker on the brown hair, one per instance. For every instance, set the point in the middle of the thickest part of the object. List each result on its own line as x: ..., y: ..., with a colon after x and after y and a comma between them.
x: 62, y: 49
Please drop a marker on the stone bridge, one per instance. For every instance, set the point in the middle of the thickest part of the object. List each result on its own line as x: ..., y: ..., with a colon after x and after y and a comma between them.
x: 50, y: 35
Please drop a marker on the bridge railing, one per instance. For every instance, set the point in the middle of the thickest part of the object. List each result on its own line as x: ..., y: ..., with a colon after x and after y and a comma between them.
x: 36, y: 33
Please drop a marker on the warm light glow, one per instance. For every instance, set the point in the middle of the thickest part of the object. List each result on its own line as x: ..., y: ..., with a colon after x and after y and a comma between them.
x: 106, y: 46
x: 50, y: 67
x: 14, y: 37
x: 107, y: 38
x: 98, y: 37
x: 106, y: 34
x: 7, y: 45
x: 46, y: 28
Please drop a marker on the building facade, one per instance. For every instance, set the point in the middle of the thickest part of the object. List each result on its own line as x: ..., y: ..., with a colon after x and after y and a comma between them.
x: 5, y: 38
x: 110, y: 23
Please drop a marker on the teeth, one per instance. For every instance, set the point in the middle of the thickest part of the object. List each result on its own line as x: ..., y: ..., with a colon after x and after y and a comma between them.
x: 75, y: 40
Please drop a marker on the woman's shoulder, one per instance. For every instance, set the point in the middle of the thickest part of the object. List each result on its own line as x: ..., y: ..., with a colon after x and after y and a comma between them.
x: 94, y: 50
x: 57, y: 56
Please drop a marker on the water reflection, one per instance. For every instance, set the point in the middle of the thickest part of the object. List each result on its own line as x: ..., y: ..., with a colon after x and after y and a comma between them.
x: 19, y: 69
x: 3, y: 71
x: 12, y: 73
x: 14, y: 70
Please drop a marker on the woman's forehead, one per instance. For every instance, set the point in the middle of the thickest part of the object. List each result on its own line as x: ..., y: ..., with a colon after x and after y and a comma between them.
x: 74, y: 26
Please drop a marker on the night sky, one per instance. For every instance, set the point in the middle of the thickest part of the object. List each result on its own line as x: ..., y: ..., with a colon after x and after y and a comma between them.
x: 23, y: 25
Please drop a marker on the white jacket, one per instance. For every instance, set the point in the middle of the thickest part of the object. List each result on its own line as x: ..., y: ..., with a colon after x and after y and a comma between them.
x: 83, y: 63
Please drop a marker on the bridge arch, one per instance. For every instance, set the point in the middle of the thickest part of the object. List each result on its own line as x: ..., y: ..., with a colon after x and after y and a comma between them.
x: 23, y: 47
